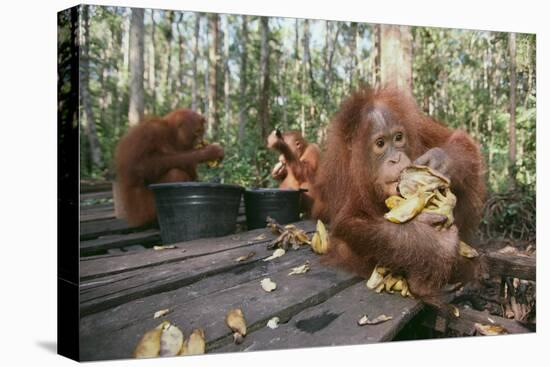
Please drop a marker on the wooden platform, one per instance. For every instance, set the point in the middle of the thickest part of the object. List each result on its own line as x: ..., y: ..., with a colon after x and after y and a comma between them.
x: 124, y: 282
x: 201, y: 280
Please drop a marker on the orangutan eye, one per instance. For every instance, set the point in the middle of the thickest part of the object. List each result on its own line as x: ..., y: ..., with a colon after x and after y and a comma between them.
x: 399, y: 137
x: 380, y: 143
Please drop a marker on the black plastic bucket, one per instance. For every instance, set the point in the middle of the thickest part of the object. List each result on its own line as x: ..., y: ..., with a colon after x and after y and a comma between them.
x: 190, y: 210
x: 283, y: 205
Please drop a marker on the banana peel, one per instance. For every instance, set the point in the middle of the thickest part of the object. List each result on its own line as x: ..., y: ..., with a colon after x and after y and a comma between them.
x: 319, y: 241
x: 213, y: 163
x: 149, y: 344
x: 196, y: 344
x: 467, y: 251
x: 421, y: 178
x: 422, y: 189
x: 408, y: 208
x: 236, y: 322
x: 442, y: 203
x: 171, y: 341
x: 163, y: 341
x: 382, y: 280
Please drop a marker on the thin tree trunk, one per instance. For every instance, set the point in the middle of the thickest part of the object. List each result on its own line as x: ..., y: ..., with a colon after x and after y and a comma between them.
x: 264, y: 77
x: 182, y: 88
x: 89, y: 126
x: 308, y: 69
x: 169, y: 37
x: 284, y: 97
x: 226, y: 72
x: 296, y: 48
x: 126, y: 47
x: 135, y: 110
x: 359, y: 72
x: 152, y: 69
x: 378, y: 51
x: 328, y: 65
x: 352, y: 48
x: 396, y: 56
x: 242, y: 80
x: 102, y: 82
x: 206, y: 73
x: 195, y: 85
x: 213, y: 56
x: 512, y: 107
x: 305, y: 73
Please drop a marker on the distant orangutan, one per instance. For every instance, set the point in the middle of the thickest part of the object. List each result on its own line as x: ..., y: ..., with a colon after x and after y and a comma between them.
x: 297, y: 164
x: 156, y: 151
x: 372, y: 138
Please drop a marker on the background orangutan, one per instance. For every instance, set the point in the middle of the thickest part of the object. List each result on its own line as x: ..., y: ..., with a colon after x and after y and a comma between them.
x: 155, y: 151
x: 376, y: 134
x: 297, y: 164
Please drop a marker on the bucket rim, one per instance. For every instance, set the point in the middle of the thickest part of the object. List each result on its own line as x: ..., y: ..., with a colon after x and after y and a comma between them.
x: 260, y: 190
x: 195, y: 184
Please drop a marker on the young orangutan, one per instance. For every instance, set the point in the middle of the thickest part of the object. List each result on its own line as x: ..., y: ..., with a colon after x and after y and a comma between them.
x: 297, y: 164
x: 155, y: 151
x: 373, y: 137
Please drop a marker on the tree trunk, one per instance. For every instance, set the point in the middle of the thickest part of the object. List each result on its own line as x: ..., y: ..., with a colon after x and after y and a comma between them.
x: 152, y: 70
x: 182, y: 88
x: 330, y: 48
x: 263, y: 108
x: 305, y: 73
x: 213, y: 75
x: 169, y: 37
x: 126, y: 40
x: 377, y: 50
x: 226, y: 73
x: 243, y: 105
x: 512, y: 107
x: 308, y: 68
x: 195, y: 85
x: 396, y: 56
x: 89, y: 126
x: 296, y: 48
x: 206, y: 97
x: 352, y: 48
x: 135, y: 110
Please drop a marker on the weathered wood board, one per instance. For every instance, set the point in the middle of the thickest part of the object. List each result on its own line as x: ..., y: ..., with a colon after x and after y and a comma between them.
x: 96, y: 195
x: 92, y: 268
x: 205, y: 257
x: 97, y: 212
x: 200, y: 280
x: 293, y: 294
x: 521, y: 267
x: 108, y: 242
x: 97, y: 228
x: 334, y: 322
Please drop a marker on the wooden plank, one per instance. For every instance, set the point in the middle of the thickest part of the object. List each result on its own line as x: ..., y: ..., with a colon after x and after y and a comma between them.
x: 97, y: 208
x: 294, y: 294
x: 108, y: 242
x: 105, y: 292
x: 97, y: 228
x: 521, y: 267
x: 101, y: 227
x: 334, y: 322
x: 141, y: 309
x: 96, y: 195
x: 87, y: 186
x: 94, y: 268
x: 98, y: 212
x: 88, y: 217
x: 464, y: 324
